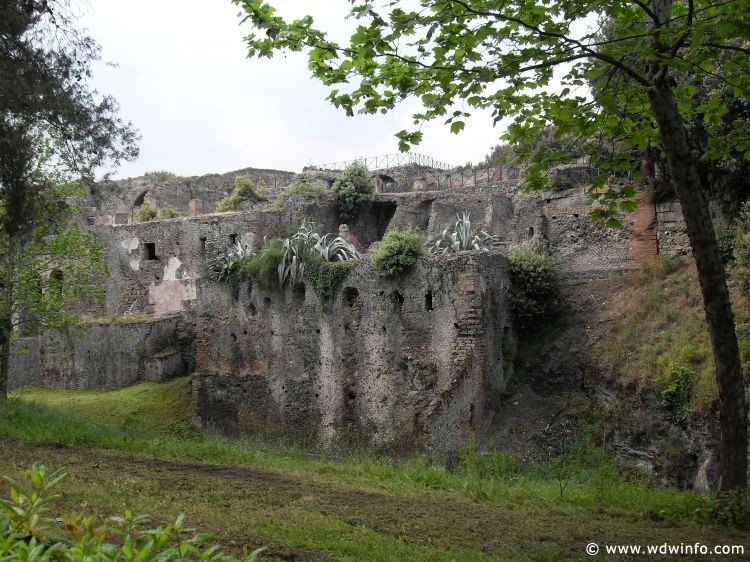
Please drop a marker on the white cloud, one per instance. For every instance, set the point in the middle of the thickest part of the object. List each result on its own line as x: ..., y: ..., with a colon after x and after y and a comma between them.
x: 184, y: 81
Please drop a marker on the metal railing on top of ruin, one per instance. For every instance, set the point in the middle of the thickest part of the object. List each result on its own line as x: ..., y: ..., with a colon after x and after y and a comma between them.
x: 387, y: 161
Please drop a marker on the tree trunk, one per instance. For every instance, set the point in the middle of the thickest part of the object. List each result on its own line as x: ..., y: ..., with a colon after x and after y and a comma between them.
x: 712, y: 278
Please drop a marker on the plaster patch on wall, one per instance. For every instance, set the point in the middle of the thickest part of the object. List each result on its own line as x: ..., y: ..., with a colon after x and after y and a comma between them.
x: 170, y: 270
x: 169, y: 296
x: 131, y: 245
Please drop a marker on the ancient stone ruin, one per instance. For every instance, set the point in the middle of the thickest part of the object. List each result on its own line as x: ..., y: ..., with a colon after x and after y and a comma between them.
x: 412, y: 364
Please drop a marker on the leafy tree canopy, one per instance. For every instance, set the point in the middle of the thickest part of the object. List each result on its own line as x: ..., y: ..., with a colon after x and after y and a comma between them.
x: 45, y: 65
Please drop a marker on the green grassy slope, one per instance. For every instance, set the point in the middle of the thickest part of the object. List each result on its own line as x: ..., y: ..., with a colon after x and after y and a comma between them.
x: 134, y: 449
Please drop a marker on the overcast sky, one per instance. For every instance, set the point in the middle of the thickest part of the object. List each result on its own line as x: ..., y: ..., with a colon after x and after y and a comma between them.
x: 201, y: 106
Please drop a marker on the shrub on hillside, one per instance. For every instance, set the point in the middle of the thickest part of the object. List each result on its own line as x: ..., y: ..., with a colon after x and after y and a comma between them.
x: 146, y: 213
x: 535, y: 294
x: 303, y: 184
x: 29, y: 533
x: 354, y: 190
x: 679, y: 390
x: 398, y: 252
x: 244, y: 188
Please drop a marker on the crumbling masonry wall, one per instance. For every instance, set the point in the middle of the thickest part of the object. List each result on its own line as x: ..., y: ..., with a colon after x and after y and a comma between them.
x: 409, y: 364
x: 106, y: 354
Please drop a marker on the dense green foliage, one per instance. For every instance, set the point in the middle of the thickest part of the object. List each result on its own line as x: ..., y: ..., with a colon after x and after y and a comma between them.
x: 303, y: 184
x: 30, y: 532
x: 244, y: 190
x: 354, y: 190
x: 461, y: 238
x: 398, y: 252
x: 535, y: 294
x: 679, y: 390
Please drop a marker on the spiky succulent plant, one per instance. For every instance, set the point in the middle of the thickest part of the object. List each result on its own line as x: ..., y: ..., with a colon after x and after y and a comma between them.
x: 461, y: 238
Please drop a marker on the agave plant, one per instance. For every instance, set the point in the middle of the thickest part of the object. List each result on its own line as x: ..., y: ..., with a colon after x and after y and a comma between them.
x: 337, y: 248
x: 305, y: 242
x: 221, y: 267
x: 461, y: 238
x: 292, y: 265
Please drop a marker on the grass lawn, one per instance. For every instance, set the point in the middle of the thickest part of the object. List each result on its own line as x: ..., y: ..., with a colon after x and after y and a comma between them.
x: 134, y: 449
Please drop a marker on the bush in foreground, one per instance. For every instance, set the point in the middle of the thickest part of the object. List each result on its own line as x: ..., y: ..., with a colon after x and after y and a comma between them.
x: 28, y: 533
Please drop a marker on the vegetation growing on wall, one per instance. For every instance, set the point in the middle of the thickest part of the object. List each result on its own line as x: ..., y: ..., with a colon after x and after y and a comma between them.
x: 303, y: 184
x: 326, y: 277
x: 461, y: 238
x: 535, y: 295
x: 398, y: 252
x: 354, y: 190
x: 146, y: 212
x: 283, y: 261
x: 171, y: 213
x: 244, y: 189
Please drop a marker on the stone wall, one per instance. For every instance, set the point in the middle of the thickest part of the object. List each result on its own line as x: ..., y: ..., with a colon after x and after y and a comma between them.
x: 118, y: 202
x: 414, y: 363
x: 110, y: 354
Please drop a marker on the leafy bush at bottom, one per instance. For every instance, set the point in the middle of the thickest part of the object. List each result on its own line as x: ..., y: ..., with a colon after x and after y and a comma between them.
x: 28, y: 533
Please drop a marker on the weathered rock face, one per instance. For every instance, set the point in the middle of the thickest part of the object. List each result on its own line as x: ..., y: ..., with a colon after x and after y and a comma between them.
x: 107, y: 355
x: 411, y: 363
x: 117, y: 202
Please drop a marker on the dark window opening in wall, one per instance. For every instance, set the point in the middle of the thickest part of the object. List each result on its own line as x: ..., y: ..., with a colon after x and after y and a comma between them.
x: 351, y: 296
x: 428, y: 301
x: 398, y: 301
x: 233, y: 239
x: 149, y: 251
x: 203, y: 244
x: 531, y: 232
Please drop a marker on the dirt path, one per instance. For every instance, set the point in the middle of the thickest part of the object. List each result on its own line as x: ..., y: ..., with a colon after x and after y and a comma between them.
x: 302, y: 517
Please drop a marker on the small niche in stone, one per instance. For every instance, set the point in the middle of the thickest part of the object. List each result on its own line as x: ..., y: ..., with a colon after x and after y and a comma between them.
x: 203, y: 244
x: 233, y: 239
x: 149, y: 251
x: 428, y: 301
x: 351, y: 296
x: 531, y: 232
